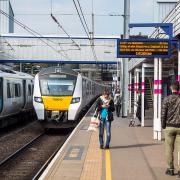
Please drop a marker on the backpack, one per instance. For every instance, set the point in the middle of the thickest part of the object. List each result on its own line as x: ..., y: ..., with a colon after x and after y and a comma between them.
x: 118, y: 100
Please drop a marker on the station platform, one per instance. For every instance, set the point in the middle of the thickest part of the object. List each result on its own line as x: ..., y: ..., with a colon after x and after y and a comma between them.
x: 133, y: 155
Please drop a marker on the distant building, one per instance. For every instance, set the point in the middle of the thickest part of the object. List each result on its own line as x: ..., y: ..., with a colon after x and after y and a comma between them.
x: 162, y: 8
x: 6, y: 24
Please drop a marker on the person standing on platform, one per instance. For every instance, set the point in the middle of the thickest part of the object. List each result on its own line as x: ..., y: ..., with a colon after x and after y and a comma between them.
x: 171, y: 124
x: 105, y: 108
x: 117, y: 102
x: 138, y: 112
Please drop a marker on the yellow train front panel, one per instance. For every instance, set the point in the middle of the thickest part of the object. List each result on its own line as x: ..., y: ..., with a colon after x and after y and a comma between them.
x: 57, y: 102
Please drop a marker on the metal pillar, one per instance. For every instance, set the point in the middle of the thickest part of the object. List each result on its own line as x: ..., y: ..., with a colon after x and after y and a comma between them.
x: 155, y: 97
x: 20, y: 67
x: 142, y: 95
x: 159, y: 100
x: 135, y: 93
x: 137, y: 87
x: 130, y: 92
x: 125, y: 61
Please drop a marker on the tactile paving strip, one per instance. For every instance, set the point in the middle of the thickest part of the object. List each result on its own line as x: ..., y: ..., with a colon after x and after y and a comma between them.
x: 92, y: 169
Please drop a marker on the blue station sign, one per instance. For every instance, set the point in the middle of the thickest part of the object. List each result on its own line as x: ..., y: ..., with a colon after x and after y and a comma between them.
x: 143, y: 48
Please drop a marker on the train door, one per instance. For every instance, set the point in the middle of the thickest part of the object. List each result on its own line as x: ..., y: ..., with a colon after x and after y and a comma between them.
x: 24, y: 93
x: 1, y: 94
x: 18, y: 99
x: 29, y: 95
x: 8, y: 97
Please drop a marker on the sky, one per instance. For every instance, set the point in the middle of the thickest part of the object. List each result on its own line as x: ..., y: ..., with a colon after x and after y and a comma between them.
x: 141, y: 12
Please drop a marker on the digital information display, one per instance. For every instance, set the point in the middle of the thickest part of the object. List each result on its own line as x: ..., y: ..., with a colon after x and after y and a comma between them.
x: 143, y: 48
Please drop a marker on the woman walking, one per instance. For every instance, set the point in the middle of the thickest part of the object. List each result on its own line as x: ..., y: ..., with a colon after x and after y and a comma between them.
x: 105, y: 108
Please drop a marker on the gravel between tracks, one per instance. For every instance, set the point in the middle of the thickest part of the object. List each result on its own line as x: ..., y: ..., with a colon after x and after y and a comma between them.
x: 27, y: 163
x: 15, y: 140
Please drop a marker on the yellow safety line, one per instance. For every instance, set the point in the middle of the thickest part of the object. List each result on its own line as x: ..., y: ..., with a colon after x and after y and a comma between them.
x: 108, y: 165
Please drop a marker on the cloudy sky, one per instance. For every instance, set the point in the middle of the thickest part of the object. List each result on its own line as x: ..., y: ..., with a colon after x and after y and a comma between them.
x: 141, y: 11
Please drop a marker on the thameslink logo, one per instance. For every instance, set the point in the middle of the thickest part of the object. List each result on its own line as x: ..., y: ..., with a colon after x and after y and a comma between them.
x: 57, y: 99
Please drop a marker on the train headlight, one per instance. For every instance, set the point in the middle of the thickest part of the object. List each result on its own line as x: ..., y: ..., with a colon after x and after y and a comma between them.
x: 75, y: 100
x: 38, y: 99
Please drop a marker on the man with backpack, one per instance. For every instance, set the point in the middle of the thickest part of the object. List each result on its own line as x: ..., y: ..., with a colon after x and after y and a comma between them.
x: 117, y: 102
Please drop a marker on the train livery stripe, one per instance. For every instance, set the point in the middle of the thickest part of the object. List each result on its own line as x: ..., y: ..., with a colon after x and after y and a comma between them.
x: 57, y: 102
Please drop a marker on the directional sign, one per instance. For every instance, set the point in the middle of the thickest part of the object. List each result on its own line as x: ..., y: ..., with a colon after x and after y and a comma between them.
x: 143, y: 48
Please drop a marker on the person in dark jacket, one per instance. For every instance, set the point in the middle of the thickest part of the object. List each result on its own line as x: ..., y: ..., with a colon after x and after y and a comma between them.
x: 117, y: 102
x: 138, y: 112
x: 171, y: 124
x: 105, y: 108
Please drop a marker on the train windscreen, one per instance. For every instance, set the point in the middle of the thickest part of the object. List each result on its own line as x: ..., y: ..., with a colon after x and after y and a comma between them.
x: 1, y: 94
x: 57, y: 85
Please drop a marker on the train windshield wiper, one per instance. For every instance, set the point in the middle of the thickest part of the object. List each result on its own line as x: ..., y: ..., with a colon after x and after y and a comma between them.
x: 48, y: 88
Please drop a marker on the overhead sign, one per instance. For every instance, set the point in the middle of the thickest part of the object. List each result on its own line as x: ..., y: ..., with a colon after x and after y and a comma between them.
x: 143, y: 48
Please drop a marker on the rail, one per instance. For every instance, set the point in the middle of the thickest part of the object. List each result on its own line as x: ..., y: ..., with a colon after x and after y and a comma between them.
x: 5, y: 160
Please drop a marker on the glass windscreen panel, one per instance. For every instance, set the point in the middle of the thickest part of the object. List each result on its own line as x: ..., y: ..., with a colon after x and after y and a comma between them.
x: 57, y: 84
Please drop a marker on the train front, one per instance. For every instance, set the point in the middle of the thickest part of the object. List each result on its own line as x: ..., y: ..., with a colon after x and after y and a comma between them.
x: 53, y: 95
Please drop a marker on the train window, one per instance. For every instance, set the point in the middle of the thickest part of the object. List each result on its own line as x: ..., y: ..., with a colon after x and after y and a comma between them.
x: 53, y: 86
x: 8, y: 90
x: 29, y: 90
x: 17, y: 89
x: 32, y: 88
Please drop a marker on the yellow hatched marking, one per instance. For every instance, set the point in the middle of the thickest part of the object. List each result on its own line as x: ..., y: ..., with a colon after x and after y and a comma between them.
x: 92, y: 169
x: 108, y: 165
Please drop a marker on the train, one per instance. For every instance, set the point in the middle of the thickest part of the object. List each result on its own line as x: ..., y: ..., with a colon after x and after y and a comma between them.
x: 16, y: 96
x: 60, y: 94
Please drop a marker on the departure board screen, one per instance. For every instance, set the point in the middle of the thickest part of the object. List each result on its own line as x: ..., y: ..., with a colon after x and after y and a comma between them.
x: 146, y: 48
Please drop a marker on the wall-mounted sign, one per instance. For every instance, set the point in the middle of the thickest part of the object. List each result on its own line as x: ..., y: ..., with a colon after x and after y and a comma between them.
x: 143, y: 48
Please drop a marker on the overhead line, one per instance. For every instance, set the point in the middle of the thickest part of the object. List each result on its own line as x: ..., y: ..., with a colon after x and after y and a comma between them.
x: 60, y: 26
x: 83, y: 15
x: 87, y: 33
x: 34, y: 33
x: 66, y: 14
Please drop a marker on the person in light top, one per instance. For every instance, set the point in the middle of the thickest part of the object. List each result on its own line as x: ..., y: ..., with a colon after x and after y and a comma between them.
x: 105, y: 108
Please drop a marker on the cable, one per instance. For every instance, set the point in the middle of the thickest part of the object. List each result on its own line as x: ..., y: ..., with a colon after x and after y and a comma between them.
x: 83, y: 15
x: 34, y: 33
x: 87, y: 33
x: 66, y: 14
x: 60, y: 26
x: 86, y: 30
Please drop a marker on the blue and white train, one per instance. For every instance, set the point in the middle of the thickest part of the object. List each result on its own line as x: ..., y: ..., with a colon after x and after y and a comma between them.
x: 16, y: 94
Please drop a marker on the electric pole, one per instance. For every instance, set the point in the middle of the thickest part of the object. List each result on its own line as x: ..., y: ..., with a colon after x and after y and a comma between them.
x: 125, y: 60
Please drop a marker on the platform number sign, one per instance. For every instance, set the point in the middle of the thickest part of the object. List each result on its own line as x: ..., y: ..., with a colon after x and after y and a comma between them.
x: 143, y: 48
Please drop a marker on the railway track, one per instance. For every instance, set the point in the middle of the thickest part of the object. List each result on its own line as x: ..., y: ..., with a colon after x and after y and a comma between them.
x: 25, y: 153
x: 15, y: 140
x: 28, y: 161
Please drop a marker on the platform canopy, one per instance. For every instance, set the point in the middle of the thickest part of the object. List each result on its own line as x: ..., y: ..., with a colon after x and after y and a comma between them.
x: 16, y: 48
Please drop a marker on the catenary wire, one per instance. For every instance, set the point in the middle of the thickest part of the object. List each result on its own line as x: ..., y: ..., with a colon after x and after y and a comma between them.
x: 34, y: 33
x: 86, y: 31
x: 60, y: 26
